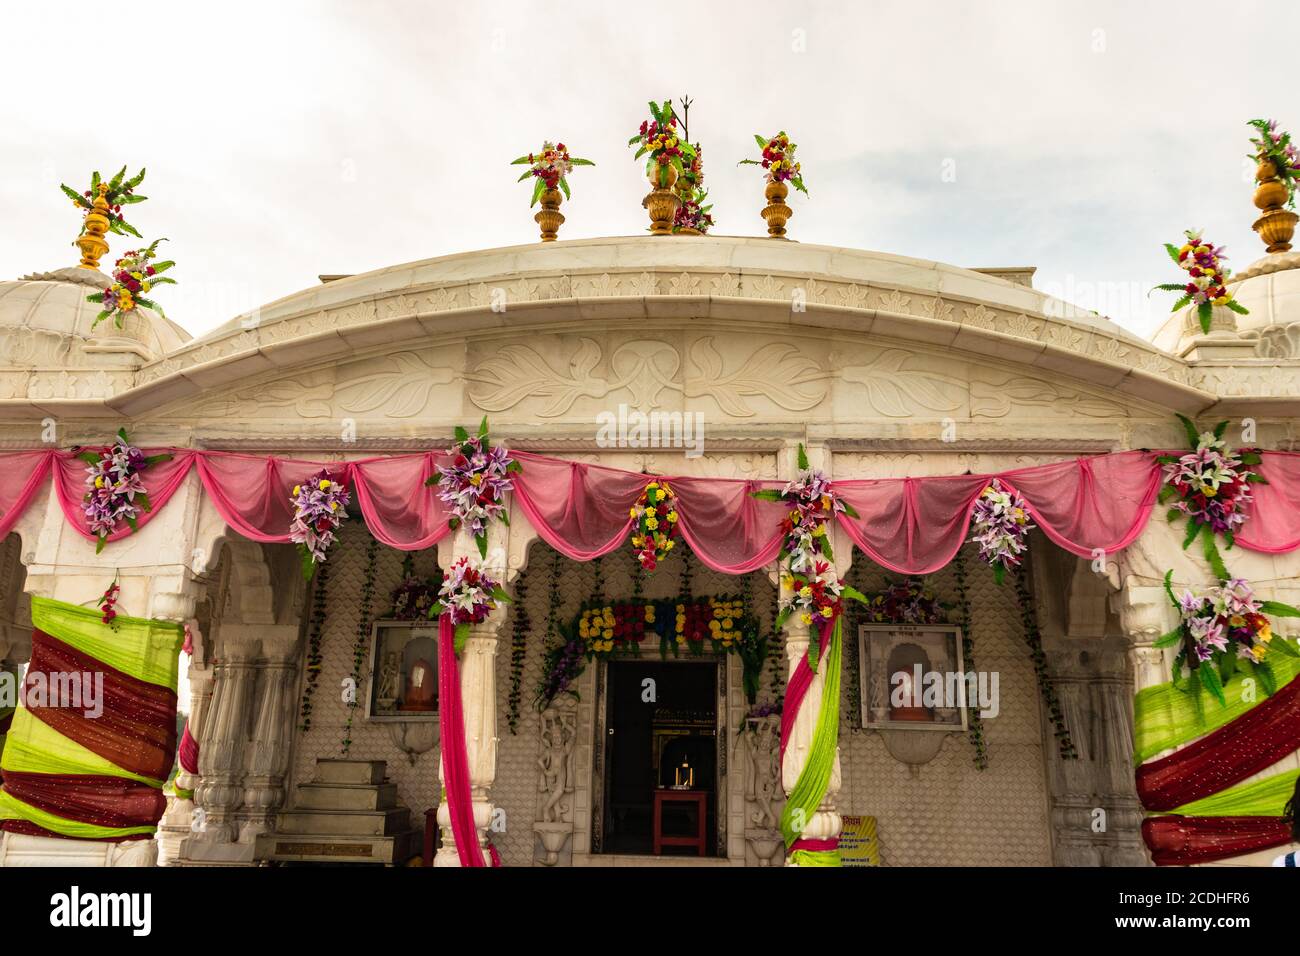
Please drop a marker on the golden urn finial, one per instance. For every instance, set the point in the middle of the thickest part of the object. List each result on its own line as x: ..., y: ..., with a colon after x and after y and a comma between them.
x: 91, y: 242
x: 1276, y: 224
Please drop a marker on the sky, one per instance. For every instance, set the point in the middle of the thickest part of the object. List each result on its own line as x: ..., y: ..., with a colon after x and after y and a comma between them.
x: 285, y: 140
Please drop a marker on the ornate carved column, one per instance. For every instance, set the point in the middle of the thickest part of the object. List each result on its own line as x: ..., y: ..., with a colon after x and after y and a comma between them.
x: 274, y: 706
x: 220, y: 791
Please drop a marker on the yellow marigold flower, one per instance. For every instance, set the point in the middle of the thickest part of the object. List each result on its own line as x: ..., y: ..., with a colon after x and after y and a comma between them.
x: 828, y: 612
x: 652, y: 486
x: 649, y: 613
x: 726, y: 624
x: 609, y: 635
x: 324, y: 484
x: 806, y: 617
x: 671, y: 516
x: 296, y: 490
x: 1258, y: 652
x: 631, y: 512
x: 668, y: 545
x: 805, y: 592
x: 652, y: 523
x: 1265, y: 633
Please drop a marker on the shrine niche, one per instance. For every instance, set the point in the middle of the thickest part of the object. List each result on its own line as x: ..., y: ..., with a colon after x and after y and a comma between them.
x: 913, y: 677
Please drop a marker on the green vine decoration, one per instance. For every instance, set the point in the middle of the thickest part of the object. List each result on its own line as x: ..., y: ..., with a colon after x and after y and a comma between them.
x: 1034, y: 638
x: 776, y: 654
x: 975, y: 723
x: 855, y: 611
x: 520, y: 626
x: 364, y: 616
x: 315, y: 628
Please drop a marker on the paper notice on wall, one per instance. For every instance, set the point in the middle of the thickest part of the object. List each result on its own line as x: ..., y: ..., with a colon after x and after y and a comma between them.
x: 858, y: 846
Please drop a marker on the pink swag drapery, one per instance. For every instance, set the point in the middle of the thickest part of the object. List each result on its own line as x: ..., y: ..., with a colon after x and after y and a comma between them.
x: 909, y: 525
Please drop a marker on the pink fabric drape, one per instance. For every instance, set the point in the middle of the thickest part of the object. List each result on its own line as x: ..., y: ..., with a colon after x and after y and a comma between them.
x: 1274, y: 523
x: 916, y: 525
x: 455, y: 762
x: 160, y: 481
x: 909, y: 525
x: 21, y: 475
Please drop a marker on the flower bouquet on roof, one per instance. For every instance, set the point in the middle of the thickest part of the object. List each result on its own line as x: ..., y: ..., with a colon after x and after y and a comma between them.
x: 320, y: 505
x: 118, y: 192
x: 1210, y: 486
x: 549, y: 168
x: 1207, y: 278
x: 778, y: 159
x: 134, y: 276
x: 1222, y: 631
x: 474, y: 485
x: 115, y: 492
x: 468, y: 595
x: 667, y: 153
x: 1275, y: 148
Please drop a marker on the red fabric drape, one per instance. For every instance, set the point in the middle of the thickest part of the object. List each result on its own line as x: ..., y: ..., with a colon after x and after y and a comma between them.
x: 136, y: 725
x: 22, y: 474
x: 1274, y: 522
x: 103, y: 801
x: 188, y: 752
x: 1181, y: 841
x: 1254, y: 741
x: 455, y: 761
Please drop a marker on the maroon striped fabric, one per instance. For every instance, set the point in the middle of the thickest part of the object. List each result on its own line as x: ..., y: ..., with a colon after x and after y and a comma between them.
x: 137, y: 729
x: 102, y: 801
x: 1253, y: 742
x: 1181, y: 841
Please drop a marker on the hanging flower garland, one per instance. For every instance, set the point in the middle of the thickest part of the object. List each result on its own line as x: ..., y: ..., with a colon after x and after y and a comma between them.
x: 1207, y: 278
x: 107, y: 604
x: 1212, y: 488
x: 134, y: 275
x: 974, y: 720
x: 1222, y: 631
x: 361, y: 639
x: 1000, y: 526
x: 320, y: 505
x: 520, y: 626
x: 115, y: 492
x: 816, y: 593
x: 655, y: 514
x: 1034, y: 638
x: 315, y: 658
x: 468, y: 595
x: 474, y: 485
x: 414, y: 595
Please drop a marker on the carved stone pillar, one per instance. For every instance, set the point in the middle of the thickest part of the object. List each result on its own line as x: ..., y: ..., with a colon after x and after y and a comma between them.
x: 267, y: 759
x: 220, y: 791
x: 1073, y: 789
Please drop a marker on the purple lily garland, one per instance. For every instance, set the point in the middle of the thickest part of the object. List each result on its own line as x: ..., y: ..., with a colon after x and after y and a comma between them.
x: 320, y: 505
x: 468, y: 594
x: 115, y: 492
x: 1000, y: 526
x: 474, y: 486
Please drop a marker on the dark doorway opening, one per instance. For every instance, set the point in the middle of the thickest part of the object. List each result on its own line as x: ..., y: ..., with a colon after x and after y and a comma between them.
x: 648, y: 739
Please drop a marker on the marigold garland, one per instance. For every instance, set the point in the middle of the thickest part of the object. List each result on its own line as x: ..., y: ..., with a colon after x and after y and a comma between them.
x: 656, y: 517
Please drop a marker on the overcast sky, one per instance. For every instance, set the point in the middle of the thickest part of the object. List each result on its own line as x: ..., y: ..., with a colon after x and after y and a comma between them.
x: 284, y: 140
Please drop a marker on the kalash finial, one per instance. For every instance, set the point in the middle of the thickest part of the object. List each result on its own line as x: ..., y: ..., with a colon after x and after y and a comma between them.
x: 103, y: 203
x: 1276, y: 176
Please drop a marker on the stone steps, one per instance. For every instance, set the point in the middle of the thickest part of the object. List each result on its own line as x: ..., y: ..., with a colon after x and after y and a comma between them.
x: 347, y: 813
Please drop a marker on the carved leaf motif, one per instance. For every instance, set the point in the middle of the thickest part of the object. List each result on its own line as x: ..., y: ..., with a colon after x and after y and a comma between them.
x: 995, y: 400
x: 894, y: 390
x: 772, y: 372
x: 401, y: 390
x: 726, y: 284
x: 306, y: 399
x: 517, y: 372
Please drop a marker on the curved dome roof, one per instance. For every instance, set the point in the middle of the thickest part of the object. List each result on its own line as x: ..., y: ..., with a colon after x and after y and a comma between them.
x: 1270, y: 289
x: 54, y: 303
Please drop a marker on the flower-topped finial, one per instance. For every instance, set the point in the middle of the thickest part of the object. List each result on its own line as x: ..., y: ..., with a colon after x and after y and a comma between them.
x: 101, y: 205
x: 1277, y: 176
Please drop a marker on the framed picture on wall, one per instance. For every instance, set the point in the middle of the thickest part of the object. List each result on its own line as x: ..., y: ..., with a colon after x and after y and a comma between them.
x: 403, y: 671
x: 913, y: 677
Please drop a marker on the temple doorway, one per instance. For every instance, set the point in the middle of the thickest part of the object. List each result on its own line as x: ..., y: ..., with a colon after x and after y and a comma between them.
x: 663, y: 771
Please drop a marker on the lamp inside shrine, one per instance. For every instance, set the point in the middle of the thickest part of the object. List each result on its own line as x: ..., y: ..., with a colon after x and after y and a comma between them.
x: 684, y: 778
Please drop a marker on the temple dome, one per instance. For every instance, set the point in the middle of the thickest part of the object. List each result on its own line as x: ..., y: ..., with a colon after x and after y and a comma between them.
x: 52, y: 307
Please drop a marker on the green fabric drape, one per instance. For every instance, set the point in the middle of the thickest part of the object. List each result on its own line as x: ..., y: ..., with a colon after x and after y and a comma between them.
x: 1262, y: 798
x: 1165, y: 717
x: 143, y: 648
x: 814, y: 780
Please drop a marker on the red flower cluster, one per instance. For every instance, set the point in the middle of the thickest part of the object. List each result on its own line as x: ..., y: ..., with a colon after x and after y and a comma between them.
x: 693, y: 620
x: 125, y: 278
x: 108, y: 603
